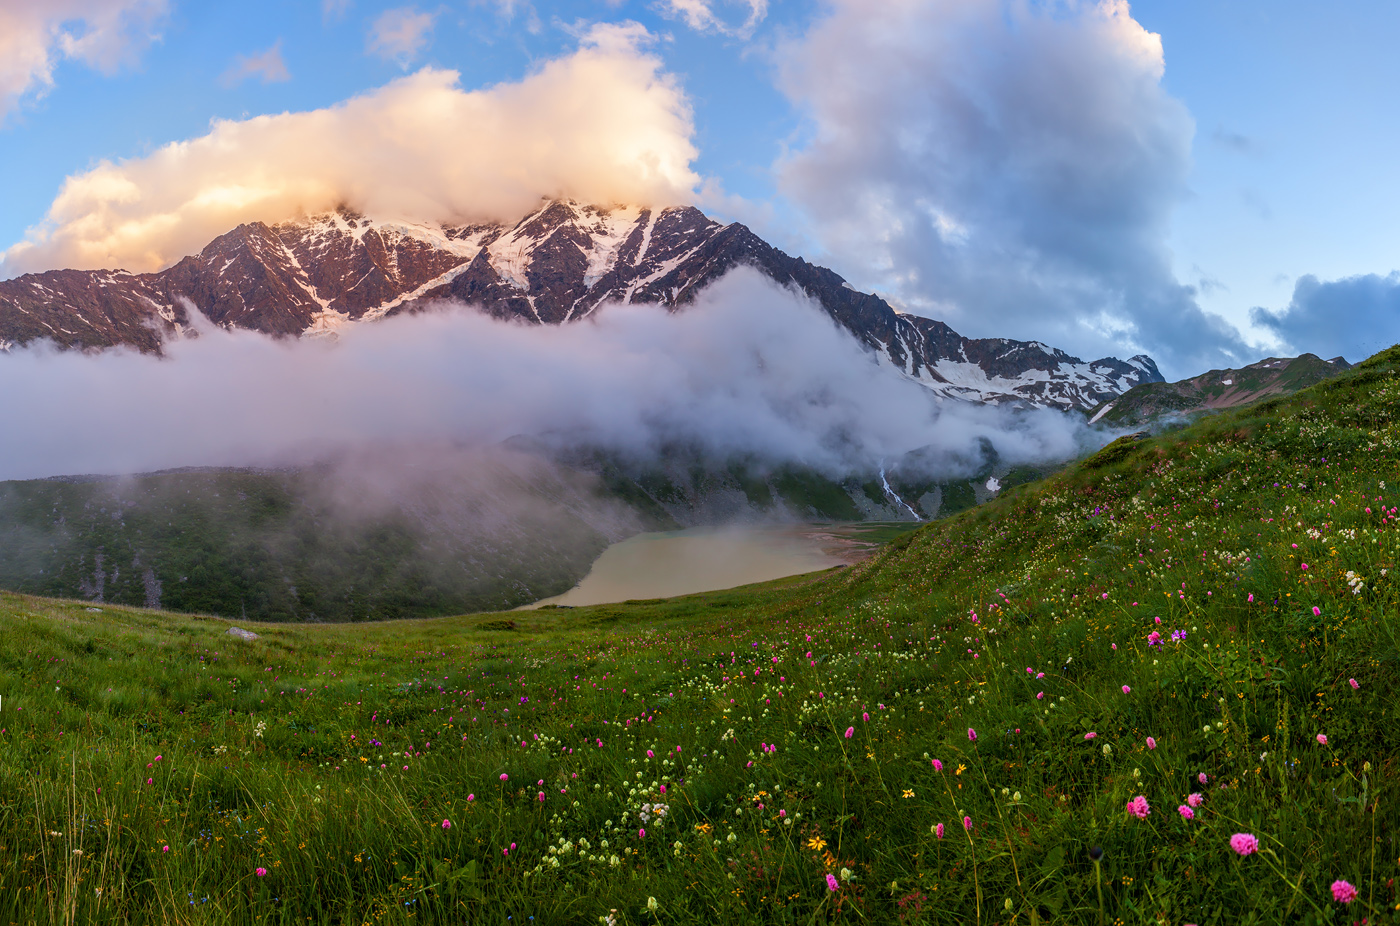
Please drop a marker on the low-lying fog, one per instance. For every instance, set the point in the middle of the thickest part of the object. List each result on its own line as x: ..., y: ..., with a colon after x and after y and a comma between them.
x: 750, y: 369
x: 408, y: 421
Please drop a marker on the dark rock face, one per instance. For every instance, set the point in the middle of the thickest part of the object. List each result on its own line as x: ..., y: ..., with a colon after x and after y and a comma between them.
x: 557, y: 265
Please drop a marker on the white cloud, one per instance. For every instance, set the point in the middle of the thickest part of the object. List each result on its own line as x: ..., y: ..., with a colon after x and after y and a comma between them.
x: 1352, y: 317
x: 35, y: 35
x: 749, y: 369
x: 603, y: 124
x: 267, y: 66
x: 400, y: 34
x: 700, y: 15
x: 1009, y: 166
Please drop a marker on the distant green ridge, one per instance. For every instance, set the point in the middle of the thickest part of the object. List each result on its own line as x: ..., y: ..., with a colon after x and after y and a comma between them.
x: 1216, y: 390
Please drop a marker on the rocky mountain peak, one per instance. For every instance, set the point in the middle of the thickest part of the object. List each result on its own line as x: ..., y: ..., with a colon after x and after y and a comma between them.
x: 558, y: 264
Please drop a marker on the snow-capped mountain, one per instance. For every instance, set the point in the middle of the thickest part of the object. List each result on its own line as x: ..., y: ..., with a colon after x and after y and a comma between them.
x: 559, y: 264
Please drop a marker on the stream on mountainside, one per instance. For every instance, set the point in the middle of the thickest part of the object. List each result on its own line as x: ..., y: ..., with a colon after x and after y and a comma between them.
x: 664, y: 564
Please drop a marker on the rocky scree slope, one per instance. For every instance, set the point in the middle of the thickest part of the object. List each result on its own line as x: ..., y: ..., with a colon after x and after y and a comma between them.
x: 558, y: 264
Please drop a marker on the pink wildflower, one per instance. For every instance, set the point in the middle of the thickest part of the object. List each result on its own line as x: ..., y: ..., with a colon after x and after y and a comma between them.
x: 967, y: 824
x: 831, y: 883
x: 972, y: 734
x: 1186, y: 812
x: 1139, y: 807
x: 504, y: 776
x: 1040, y: 695
x: 541, y: 797
x: 470, y: 798
x: 165, y: 848
x: 1244, y: 843
x: 937, y: 766
x: 447, y: 824
x: 1353, y: 683
x: 1126, y: 689
x: 1151, y: 743
x: 1251, y: 598
x: 1089, y: 736
x: 865, y: 716
x: 1317, y: 612
x: 1203, y: 778
x: 641, y: 834
x: 260, y: 872
x: 1322, y: 738
x: 1154, y: 638
x: 1195, y: 799
x: 1343, y: 892
x: 850, y: 732
x: 938, y: 831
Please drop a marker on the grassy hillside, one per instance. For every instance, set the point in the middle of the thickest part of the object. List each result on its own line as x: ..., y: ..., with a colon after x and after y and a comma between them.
x: 1216, y: 390
x: 338, y: 542
x: 957, y: 731
x: 376, y: 539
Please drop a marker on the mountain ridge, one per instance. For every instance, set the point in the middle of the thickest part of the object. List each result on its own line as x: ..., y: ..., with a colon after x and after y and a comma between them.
x: 561, y: 263
x: 1216, y: 390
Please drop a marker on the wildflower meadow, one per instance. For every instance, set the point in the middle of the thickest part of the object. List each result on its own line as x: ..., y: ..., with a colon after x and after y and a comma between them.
x: 1161, y: 686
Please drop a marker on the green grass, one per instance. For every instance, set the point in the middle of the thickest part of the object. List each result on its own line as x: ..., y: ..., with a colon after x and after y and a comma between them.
x: 808, y: 714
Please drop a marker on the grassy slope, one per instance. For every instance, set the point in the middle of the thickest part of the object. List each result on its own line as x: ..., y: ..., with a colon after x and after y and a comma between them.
x: 277, y: 546
x: 808, y: 714
x: 1207, y: 391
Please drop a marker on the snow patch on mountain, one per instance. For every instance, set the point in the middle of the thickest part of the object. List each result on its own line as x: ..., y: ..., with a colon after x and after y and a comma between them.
x: 560, y: 263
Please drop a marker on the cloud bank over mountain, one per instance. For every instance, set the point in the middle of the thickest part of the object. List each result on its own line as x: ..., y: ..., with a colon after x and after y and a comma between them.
x: 1353, y: 317
x: 603, y: 124
x: 749, y: 369
x: 1008, y: 167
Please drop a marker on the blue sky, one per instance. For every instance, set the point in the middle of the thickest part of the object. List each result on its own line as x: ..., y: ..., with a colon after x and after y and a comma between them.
x: 1271, y: 135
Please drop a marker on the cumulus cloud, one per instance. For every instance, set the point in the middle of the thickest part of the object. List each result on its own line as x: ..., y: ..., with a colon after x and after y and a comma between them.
x: 267, y: 66
x: 35, y: 35
x: 1353, y: 317
x: 749, y: 369
x: 400, y: 34
x: 700, y: 15
x: 603, y: 124
x: 1009, y: 166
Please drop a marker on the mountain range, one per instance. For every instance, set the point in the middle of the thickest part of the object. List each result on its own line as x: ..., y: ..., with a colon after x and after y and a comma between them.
x: 561, y: 263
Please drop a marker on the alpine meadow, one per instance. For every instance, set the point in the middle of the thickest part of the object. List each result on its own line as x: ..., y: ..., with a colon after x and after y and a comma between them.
x: 699, y: 463
x: 1158, y: 686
